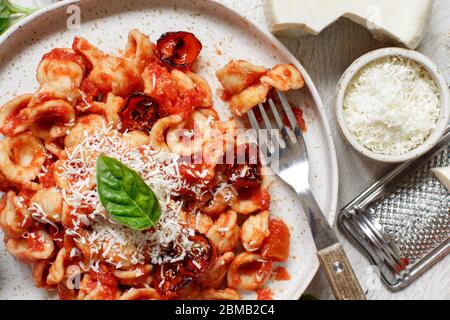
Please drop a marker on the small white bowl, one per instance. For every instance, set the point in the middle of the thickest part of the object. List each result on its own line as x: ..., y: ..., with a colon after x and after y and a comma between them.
x: 434, y: 72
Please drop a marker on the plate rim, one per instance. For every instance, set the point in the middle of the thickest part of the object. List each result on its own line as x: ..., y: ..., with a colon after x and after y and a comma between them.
x: 269, y: 36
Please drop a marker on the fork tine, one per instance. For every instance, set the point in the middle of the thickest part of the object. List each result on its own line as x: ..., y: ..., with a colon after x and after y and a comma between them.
x: 275, y: 142
x: 253, y: 122
x: 288, y: 110
x: 286, y: 132
x: 276, y: 134
x: 265, y: 117
x: 275, y: 114
x: 262, y: 139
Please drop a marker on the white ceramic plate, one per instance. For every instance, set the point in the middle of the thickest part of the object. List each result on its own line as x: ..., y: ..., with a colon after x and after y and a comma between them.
x: 225, y: 35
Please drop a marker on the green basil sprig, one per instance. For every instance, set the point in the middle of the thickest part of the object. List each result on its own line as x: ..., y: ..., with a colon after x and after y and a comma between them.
x: 8, y: 10
x: 125, y: 195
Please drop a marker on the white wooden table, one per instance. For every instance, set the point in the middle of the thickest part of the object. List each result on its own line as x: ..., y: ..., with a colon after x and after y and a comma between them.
x: 326, y: 57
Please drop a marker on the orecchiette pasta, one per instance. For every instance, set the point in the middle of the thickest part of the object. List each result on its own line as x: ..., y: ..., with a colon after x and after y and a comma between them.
x: 60, y: 63
x: 135, y: 139
x: 139, y: 49
x: 224, y: 233
x: 135, y: 276
x: 51, y: 119
x: 198, y: 221
x: 248, y: 271
x: 284, y: 77
x: 12, y: 122
x: 62, y: 89
x: 210, y: 234
x: 39, y: 272
x: 109, y: 74
x: 47, y: 205
x: 239, y: 75
x: 257, y: 200
x: 254, y: 230
x: 242, y: 102
x: 109, y: 109
x: 191, y: 81
x: 224, y: 294
x: 247, y: 85
x: 140, y: 294
x: 37, y: 246
x: 220, y: 202
x: 57, y: 270
x: 159, y: 83
x: 187, y: 139
x: 94, y: 288
x: 60, y: 73
x: 84, y: 126
x: 14, y: 217
x: 213, y: 278
x: 159, y: 130
x: 21, y: 157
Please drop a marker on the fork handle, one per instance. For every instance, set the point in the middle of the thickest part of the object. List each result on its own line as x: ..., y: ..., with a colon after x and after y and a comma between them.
x: 340, y: 275
x: 333, y: 260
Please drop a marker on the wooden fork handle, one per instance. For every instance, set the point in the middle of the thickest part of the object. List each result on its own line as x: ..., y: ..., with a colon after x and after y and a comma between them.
x: 340, y: 274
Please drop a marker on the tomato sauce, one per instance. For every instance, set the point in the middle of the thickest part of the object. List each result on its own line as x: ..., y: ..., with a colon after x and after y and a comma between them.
x: 281, y: 274
x: 249, y: 268
x: 225, y: 95
x: 264, y: 294
x: 235, y: 279
x: 35, y: 243
x: 66, y: 294
x: 107, y: 280
x: 26, y: 194
x: 14, y: 120
x: 276, y: 245
x: 262, y: 198
x: 167, y: 95
x: 193, y: 174
x: 47, y: 180
x: 298, y: 113
x: 186, y: 104
x: 57, y: 235
x: 65, y: 55
x: 165, y: 90
x: 3, y: 203
x: 90, y: 93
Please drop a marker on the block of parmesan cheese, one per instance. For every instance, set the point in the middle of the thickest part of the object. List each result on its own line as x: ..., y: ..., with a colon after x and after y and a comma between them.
x: 443, y: 174
x: 398, y: 21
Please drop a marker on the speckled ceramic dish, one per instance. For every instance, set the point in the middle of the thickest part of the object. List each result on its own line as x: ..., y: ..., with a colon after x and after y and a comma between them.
x: 225, y: 35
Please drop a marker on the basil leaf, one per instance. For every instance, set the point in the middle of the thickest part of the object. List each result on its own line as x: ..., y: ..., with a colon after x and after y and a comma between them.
x: 7, y: 9
x: 4, y: 17
x: 125, y: 195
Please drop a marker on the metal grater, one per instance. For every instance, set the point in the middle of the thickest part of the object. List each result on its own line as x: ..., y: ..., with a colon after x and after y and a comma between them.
x: 402, y: 222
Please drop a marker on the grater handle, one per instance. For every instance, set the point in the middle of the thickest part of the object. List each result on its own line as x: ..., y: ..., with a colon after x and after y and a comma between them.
x: 340, y: 275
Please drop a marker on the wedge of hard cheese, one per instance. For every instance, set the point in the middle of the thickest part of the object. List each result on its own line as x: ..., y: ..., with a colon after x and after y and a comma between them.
x: 443, y: 174
x: 399, y: 21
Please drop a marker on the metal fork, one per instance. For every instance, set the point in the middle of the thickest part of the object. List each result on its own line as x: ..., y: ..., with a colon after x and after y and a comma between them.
x: 293, y: 168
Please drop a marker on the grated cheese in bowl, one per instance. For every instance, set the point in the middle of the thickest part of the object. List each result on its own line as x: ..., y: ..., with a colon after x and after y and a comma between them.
x: 392, y: 105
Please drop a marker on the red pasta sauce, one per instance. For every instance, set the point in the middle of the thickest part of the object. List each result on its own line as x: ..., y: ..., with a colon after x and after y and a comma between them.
x: 264, y: 294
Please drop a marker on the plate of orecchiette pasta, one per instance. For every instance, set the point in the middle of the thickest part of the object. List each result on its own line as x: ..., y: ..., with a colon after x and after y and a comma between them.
x: 126, y: 170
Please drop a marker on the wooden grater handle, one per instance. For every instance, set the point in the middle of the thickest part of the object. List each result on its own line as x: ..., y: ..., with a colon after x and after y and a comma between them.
x: 340, y: 274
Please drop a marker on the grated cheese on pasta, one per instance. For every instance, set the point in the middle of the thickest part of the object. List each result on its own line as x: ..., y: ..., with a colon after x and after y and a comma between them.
x: 392, y: 105
x: 117, y: 244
